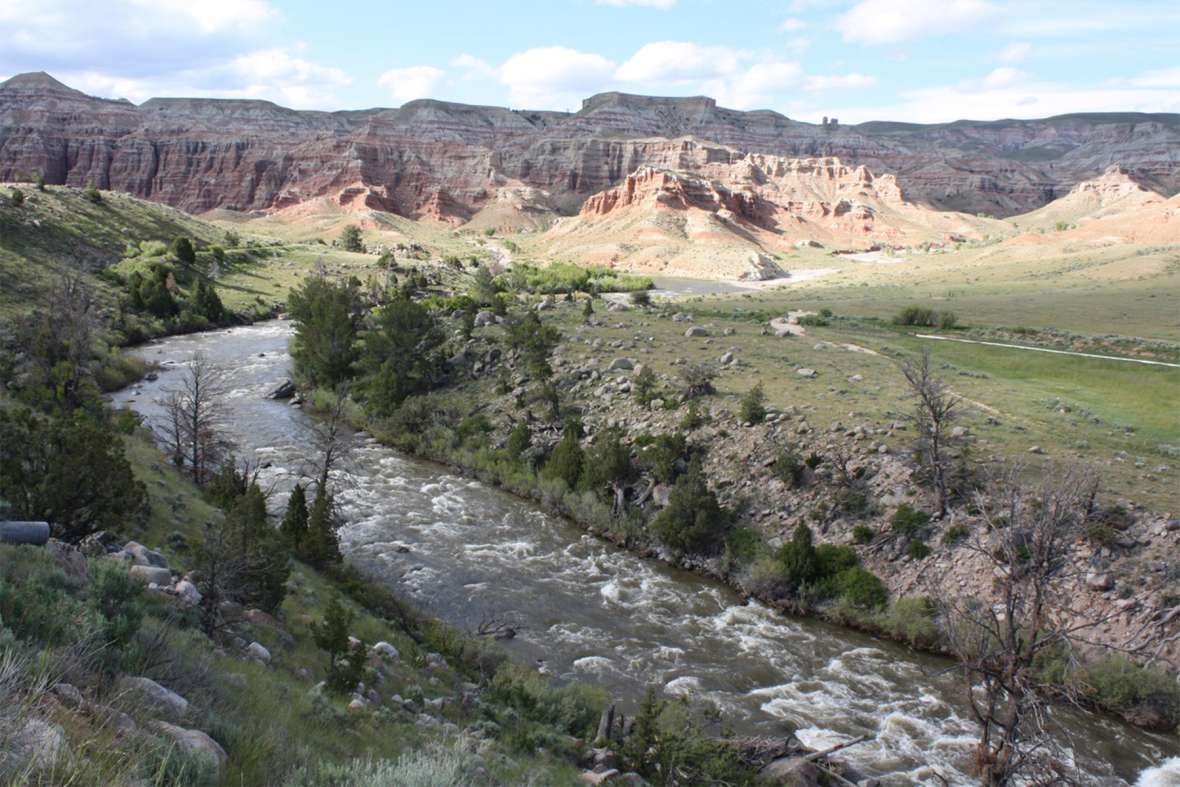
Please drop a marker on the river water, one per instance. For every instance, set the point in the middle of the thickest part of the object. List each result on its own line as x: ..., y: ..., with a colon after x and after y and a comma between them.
x: 589, y: 611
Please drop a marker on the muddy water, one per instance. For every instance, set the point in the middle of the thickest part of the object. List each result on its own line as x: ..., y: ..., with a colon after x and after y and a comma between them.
x: 588, y: 611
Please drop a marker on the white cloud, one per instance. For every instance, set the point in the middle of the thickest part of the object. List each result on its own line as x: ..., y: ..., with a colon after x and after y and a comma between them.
x: 758, y: 87
x: 472, y: 67
x: 661, y: 4
x: 137, y: 49
x: 1015, y: 52
x: 839, y: 82
x: 406, y: 84
x: 1168, y: 77
x: 680, y: 61
x: 1005, y: 76
x: 891, y: 21
x: 791, y: 25
x: 1019, y: 95
x: 554, y: 76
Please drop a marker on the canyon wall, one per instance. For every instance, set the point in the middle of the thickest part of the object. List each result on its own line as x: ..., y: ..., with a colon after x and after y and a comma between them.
x: 446, y: 161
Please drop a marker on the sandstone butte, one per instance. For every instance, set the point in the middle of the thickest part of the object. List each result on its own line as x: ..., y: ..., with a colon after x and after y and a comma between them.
x: 434, y: 159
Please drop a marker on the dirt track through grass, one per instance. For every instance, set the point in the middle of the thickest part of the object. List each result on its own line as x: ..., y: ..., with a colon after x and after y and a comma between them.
x: 1046, y: 350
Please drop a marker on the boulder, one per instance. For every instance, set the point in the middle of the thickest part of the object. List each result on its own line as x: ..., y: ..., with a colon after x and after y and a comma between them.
x: 621, y: 365
x: 285, y: 390
x: 68, y: 694
x: 36, y: 533
x: 187, y: 592
x: 595, y: 777
x: 792, y: 771
x: 142, y: 556
x: 484, y: 318
x: 386, y: 651
x: 727, y: 358
x: 37, y: 744
x: 158, y: 700
x: 1100, y: 582
x: 808, y: 373
x: 98, y: 543
x: 150, y: 575
x: 696, y: 330
x: 195, y: 744
x: 258, y: 652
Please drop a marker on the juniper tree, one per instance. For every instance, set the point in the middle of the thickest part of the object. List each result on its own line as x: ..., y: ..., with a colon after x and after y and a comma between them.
x: 295, y: 519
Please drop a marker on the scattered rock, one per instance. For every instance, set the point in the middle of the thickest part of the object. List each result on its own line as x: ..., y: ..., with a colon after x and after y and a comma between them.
x: 484, y: 318
x: 150, y: 575
x: 1099, y: 582
x: 36, y: 745
x: 158, y: 700
x: 386, y: 651
x: 621, y: 365
x: 98, y: 544
x: 1036, y: 449
x: 594, y: 777
x: 808, y: 373
x: 142, y: 556
x: 194, y: 743
x: 258, y: 652
x: 696, y: 330
x: 793, y: 771
x: 187, y: 592
x: 68, y: 694
x: 285, y: 390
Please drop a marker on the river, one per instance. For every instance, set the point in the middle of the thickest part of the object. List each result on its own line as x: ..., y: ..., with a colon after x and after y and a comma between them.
x: 590, y: 611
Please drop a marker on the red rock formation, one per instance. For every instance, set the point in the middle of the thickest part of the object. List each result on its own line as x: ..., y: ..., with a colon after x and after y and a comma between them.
x: 445, y: 160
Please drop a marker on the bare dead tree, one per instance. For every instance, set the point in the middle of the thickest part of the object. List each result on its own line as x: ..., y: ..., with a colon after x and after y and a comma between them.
x: 192, y: 418
x: 60, y: 336
x: 330, y: 437
x: 936, y: 408
x: 1035, y: 613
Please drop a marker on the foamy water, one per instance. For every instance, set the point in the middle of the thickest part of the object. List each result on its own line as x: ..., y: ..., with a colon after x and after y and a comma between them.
x: 585, y: 610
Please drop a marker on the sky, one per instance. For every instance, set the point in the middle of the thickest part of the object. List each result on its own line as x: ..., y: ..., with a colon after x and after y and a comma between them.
x: 908, y: 60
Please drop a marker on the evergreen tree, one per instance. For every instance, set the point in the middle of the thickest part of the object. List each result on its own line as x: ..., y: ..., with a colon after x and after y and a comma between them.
x: 295, y: 520
x: 325, y: 315
x: 798, y: 556
x: 321, y: 547
x: 753, y: 407
x: 350, y: 239
x: 18, y: 198
x: 182, y: 249
x: 401, y: 355
x: 331, y: 634
x: 91, y: 193
x: 644, y: 385
x: 39, y: 181
x: 519, y: 440
x: 483, y: 287
x: 693, y: 521
x: 608, y: 463
x: 535, y: 341
x: 567, y: 459
x: 588, y: 309
x: 208, y: 302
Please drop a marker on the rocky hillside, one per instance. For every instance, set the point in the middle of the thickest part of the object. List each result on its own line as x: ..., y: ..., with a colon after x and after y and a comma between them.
x: 734, y: 217
x: 452, y: 161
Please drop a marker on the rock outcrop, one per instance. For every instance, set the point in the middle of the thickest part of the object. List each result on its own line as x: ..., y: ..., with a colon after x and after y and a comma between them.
x: 447, y: 161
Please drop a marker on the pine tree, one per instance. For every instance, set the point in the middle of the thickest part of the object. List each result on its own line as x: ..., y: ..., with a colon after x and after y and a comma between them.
x: 567, y: 458
x: 321, y: 547
x: 182, y: 249
x: 331, y: 634
x: 350, y: 239
x: 294, y: 526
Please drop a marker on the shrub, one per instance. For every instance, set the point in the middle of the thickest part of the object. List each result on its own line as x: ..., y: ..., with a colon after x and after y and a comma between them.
x: 917, y: 550
x: 834, y: 558
x: 182, y: 249
x: 640, y: 298
x: 18, y: 198
x: 947, y: 320
x: 693, y: 521
x: 790, y: 468
x: 350, y: 239
x: 918, y: 315
x: 39, y: 181
x: 954, y: 534
x: 911, y: 619
x: 799, y: 559
x: 91, y: 193
x: 908, y: 522
x: 861, y: 587
x: 698, y: 380
x: 567, y: 460
x: 36, y: 597
x: 753, y: 407
x: 693, y: 417
x: 644, y: 386
x: 118, y: 600
x: 1118, y: 683
x: 863, y: 534
x: 574, y: 709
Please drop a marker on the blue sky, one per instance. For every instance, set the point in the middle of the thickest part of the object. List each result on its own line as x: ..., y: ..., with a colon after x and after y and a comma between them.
x: 913, y: 60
